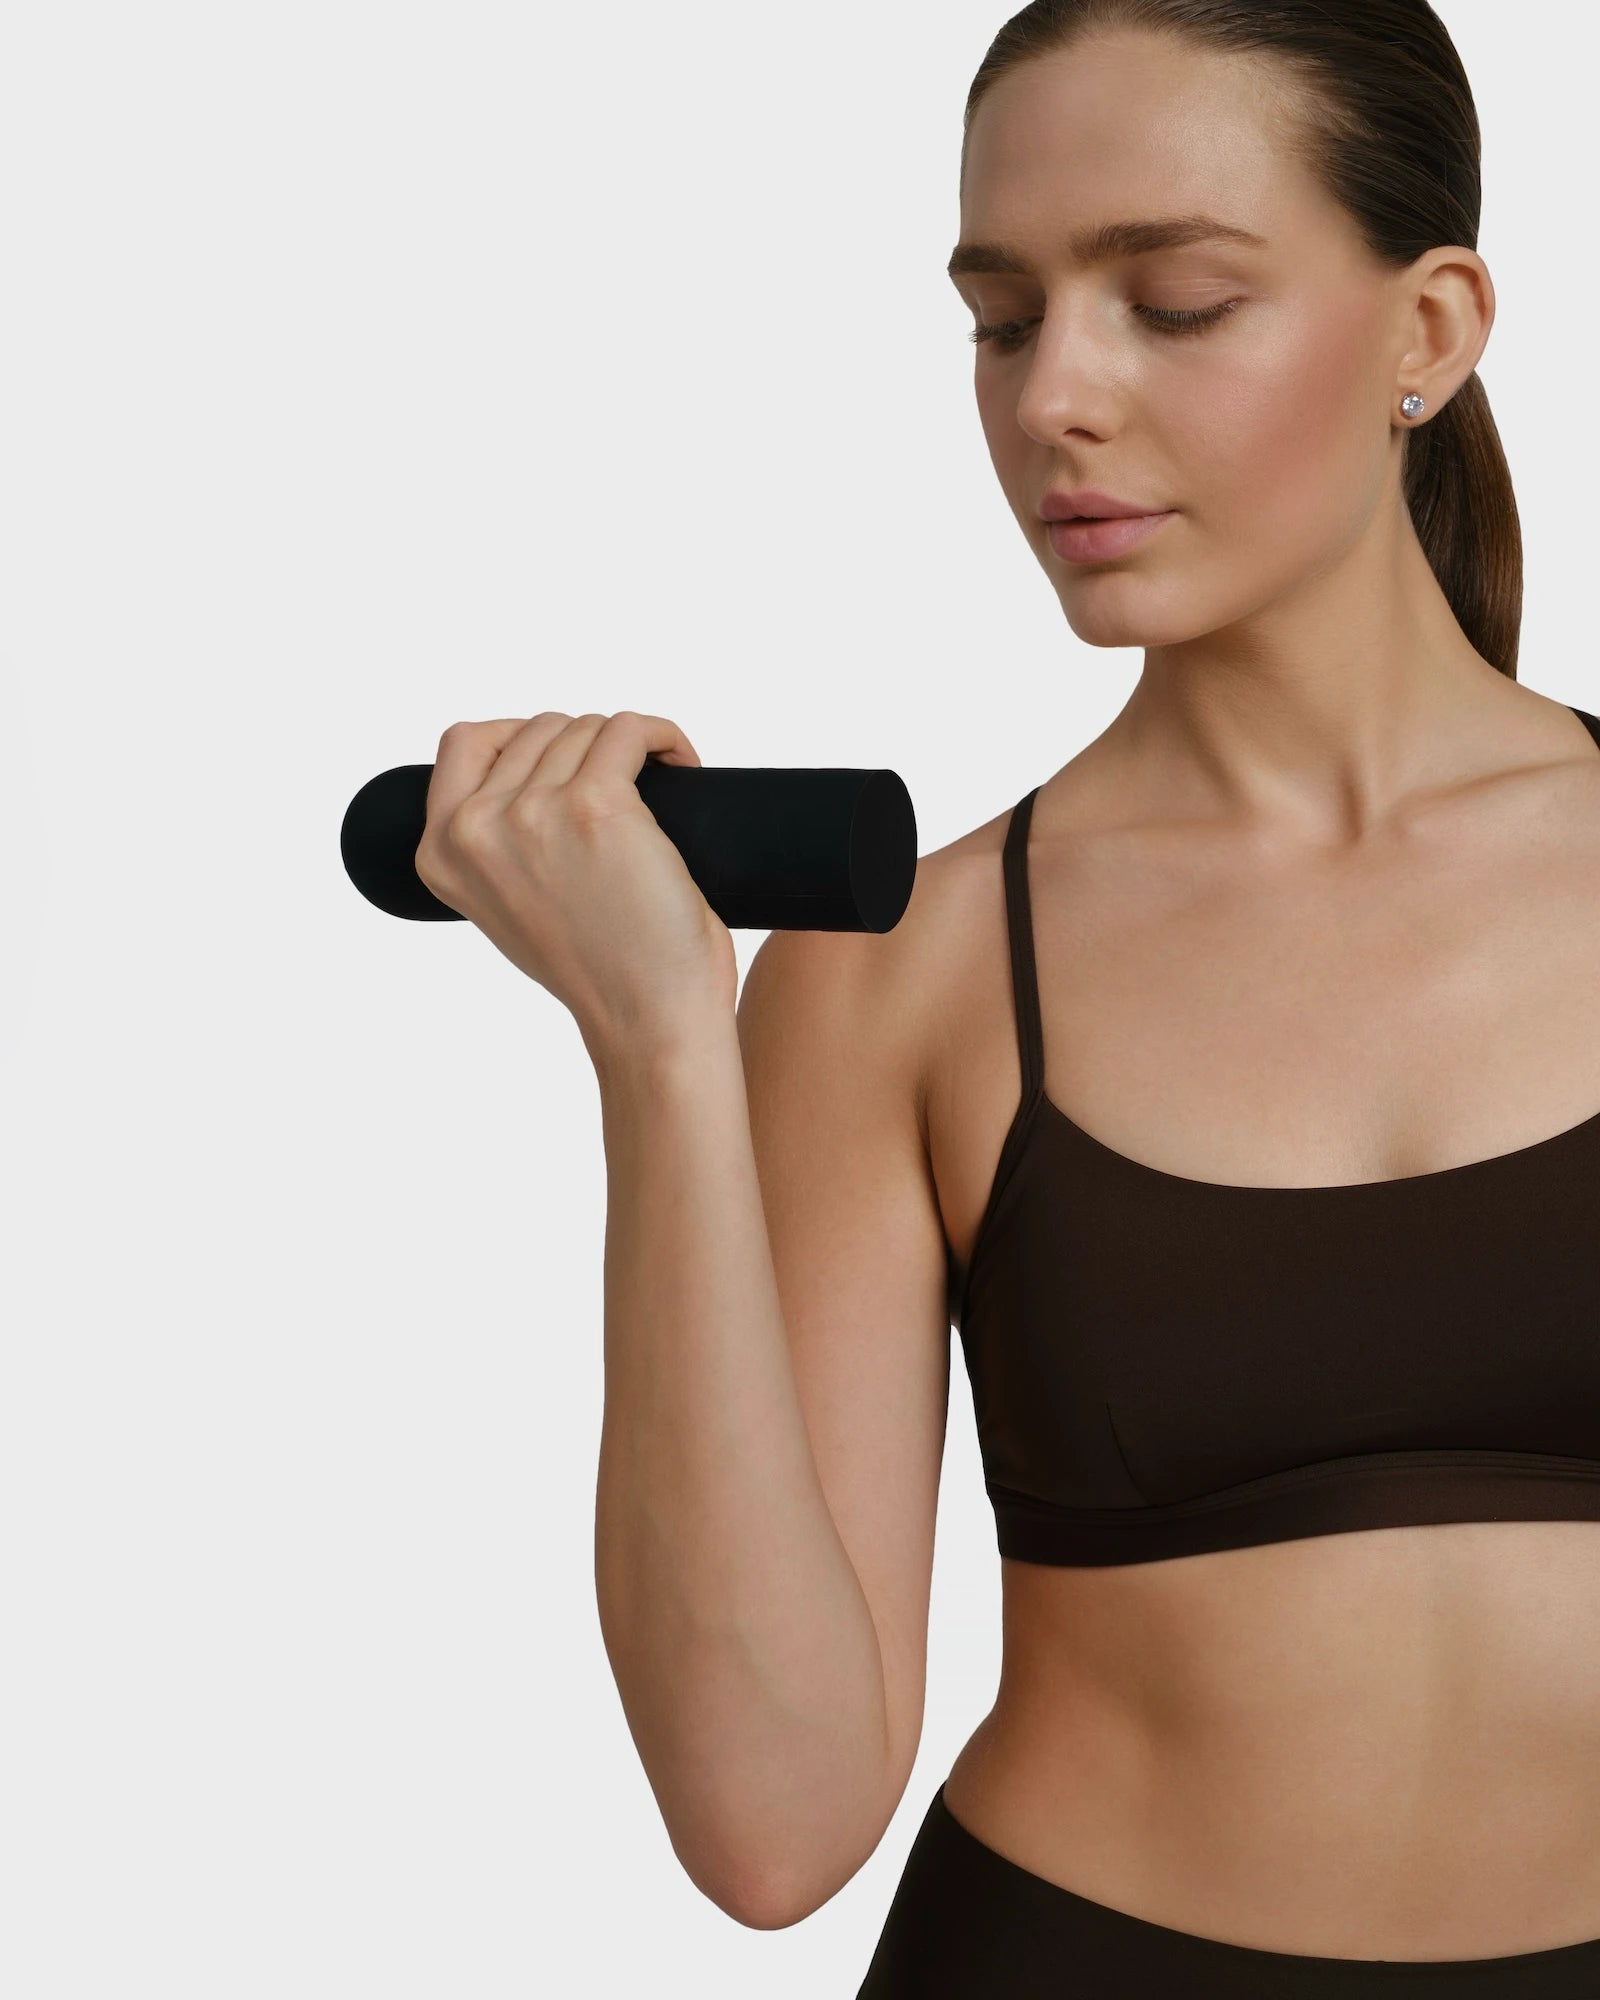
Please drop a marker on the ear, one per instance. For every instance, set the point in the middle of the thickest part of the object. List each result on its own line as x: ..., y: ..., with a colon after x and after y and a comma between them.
x: 1447, y: 312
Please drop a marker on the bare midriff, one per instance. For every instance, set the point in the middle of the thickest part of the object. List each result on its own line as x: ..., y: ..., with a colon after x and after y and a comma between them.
x: 1377, y: 1744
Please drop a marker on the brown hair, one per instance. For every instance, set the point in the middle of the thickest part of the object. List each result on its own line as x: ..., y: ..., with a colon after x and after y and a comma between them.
x: 1388, y: 125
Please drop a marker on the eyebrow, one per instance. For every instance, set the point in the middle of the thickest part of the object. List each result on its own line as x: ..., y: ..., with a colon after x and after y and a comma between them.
x: 1106, y: 240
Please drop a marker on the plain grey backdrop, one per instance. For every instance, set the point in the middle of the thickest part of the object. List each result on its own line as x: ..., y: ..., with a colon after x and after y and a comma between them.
x: 368, y: 367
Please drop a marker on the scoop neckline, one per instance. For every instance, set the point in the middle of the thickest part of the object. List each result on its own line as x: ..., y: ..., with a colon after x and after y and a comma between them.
x: 1042, y: 1097
x: 1046, y: 1102
x: 1027, y: 1119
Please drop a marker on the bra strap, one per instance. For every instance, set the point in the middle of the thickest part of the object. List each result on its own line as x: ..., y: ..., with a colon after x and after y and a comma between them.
x: 1019, y: 927
x: 1589, y: 722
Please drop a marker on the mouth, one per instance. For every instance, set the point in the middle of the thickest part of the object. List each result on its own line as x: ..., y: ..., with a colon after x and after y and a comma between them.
x: 1056, y: 505
x: 1091, y: 538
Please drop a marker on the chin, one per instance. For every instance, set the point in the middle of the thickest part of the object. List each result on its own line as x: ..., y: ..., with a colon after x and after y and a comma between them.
x: 1140, y: 618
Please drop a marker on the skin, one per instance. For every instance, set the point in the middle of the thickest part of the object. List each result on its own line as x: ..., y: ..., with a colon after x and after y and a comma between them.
x: 1334, y: 854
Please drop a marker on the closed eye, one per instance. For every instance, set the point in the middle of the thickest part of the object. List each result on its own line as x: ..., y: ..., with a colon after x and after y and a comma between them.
x: 1009, y: 334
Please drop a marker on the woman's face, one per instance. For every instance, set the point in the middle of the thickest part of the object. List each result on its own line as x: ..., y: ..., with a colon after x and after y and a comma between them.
x: 1266, y: 427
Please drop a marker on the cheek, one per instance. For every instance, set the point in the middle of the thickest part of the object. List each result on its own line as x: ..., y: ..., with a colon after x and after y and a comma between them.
x: 1009, y: 444
x: 1287, y: 427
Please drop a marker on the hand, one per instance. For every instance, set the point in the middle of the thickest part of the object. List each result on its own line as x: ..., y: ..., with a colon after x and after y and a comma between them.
x: 537, y: 834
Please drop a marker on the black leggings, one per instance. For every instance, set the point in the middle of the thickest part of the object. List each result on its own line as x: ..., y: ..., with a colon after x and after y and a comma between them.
x: 967, y: 1924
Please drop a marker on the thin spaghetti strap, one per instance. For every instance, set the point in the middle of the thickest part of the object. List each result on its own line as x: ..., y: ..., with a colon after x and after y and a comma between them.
x: 1589, y: 722
x: 1019, y: 928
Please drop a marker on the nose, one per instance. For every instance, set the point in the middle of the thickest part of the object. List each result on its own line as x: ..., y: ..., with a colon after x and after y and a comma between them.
x: 1072, y: 379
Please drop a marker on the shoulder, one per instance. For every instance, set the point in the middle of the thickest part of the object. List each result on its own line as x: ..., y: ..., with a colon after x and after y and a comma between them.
x: 891, y: 991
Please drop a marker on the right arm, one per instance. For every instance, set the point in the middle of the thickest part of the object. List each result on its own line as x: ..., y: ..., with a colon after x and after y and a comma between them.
x: 776, y: 1378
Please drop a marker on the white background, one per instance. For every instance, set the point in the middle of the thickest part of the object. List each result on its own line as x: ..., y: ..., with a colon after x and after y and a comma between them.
x: 365, y: 368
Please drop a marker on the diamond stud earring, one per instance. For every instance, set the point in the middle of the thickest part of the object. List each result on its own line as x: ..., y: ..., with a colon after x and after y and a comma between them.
x: 1412, y: 406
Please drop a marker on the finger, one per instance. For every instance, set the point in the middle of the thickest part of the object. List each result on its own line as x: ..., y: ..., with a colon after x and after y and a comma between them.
x: 467, y: 753
x: 682, y: 751
x: 551, y: 763
x: 532, y: 764
x: 618, y: 751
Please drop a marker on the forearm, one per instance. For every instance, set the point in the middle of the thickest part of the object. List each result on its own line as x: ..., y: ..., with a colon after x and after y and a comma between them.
x: 742, y: 1644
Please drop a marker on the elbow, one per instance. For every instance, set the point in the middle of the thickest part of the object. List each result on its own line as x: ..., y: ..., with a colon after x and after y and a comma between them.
x: 774, y: 1902
x: 768, y: 1908
x: 751, y: 1897
x: 761, y: 1899
x: 772, y: 1883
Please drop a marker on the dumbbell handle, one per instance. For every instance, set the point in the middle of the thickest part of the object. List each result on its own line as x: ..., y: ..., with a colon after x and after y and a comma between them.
x: 769, y: 848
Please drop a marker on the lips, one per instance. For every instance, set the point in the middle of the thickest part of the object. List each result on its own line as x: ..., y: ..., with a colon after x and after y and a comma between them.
x: 1103, y: 540
x: 1088, y: 503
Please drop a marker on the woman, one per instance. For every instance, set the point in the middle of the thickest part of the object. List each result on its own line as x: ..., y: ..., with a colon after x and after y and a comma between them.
x: 1285, y: 1342
x: 1287, y: 1378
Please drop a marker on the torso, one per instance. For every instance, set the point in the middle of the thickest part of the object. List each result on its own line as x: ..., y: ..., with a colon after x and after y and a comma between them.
x: 1373, y: 1744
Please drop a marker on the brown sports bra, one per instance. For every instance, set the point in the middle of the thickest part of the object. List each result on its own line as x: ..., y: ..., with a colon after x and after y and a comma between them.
x: 1162, y: 1366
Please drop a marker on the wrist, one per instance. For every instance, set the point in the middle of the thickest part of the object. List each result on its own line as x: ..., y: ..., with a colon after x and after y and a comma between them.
x: 663, y: 1056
